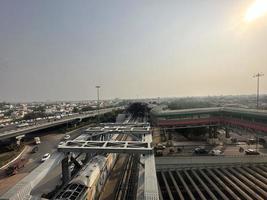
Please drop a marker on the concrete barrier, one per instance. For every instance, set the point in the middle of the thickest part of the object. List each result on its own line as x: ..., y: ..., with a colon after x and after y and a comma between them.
x: 205, y: 161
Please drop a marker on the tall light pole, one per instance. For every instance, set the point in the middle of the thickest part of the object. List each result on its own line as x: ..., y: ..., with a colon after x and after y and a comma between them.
x: 258, y: 75
x: 98, y: 87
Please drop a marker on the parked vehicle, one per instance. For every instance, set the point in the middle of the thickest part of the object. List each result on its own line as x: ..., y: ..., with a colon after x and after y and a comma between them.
x: 251, y: 141
x: 159, y: 153
x: 45, y: 157
x: 200, y: 150
x: 160, y: 147
x: 215, y: 152
x: 251, y: 152
x: 13, y: 169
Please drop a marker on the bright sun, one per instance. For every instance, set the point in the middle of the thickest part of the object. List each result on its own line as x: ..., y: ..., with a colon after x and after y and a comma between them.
x: 257, y: 9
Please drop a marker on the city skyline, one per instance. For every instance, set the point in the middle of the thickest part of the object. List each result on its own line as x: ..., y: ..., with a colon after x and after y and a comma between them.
x: 62, y: 50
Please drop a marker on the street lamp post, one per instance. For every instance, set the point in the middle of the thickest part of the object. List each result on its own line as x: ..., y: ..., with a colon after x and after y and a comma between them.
x: 98, y: 87
x: 258, y: 75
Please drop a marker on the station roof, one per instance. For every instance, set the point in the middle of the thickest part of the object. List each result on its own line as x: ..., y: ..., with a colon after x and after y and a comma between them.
x: 241, y: 111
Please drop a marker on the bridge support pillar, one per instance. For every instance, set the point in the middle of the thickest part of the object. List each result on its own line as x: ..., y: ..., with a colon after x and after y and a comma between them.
x: 163, y: 135
x: 65, y: 170
x: 227, y: 132
x: 213, y: 137
x: 211, y: 132
x: 227, y: 136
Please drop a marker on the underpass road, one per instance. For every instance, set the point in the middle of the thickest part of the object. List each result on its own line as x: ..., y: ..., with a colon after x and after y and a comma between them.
x: 49, y: 143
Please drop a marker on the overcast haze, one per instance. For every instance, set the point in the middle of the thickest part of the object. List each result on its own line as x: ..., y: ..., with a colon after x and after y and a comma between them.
x: 60, y: 50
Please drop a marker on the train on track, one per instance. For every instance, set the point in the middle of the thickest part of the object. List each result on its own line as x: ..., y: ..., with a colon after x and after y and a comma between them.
x: 89, y: 181
x: 87, y: 184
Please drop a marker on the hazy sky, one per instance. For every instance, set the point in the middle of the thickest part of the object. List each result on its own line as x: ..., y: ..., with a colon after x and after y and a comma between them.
x: 60, y: 50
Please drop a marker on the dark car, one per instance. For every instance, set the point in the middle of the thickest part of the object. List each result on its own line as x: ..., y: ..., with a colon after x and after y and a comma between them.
x: 251, y: 141
x: 201, y: 150
x: 35, y: 149
x: 251, y: 152
x: 13, y: 169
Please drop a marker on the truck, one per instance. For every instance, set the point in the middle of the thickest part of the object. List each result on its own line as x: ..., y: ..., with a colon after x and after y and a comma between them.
x: 13, y: 169
x: 37, y: 140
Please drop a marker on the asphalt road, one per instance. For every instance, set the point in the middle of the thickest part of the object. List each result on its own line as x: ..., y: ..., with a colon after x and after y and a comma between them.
x: 48, y: 144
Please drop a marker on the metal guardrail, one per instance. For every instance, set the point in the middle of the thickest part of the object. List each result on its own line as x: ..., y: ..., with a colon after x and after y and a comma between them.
x: 204, y: 161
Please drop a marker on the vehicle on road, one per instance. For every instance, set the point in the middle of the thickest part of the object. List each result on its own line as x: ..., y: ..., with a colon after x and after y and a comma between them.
x: 37, y: 140
x: 161, y: 146
x: 35, y: 149
x: 58, y: 117
x: 215, y: 152
x: 61, y: 143
x: 22, y: 125
x: 66, y: 137
x: 252, y: 152
x: 45, y: 157
x: 200, y: 150
x: 2, y: 125
x: 13, y: 169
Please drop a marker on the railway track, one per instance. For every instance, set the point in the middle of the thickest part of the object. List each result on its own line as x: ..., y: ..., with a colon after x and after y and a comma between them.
x: 127, y: 182
x: 127, y: 185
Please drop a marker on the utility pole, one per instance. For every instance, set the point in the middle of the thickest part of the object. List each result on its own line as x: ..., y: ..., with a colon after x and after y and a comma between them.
x: 258, y: 75
x: 98, y: 87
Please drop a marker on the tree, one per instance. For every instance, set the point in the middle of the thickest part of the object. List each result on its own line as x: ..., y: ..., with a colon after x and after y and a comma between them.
x: 138, y: 109
x: 9, y: 112
x: 75, y: 110
x: 39, y: 109
x: 87, y: 108
x: 34, y: 115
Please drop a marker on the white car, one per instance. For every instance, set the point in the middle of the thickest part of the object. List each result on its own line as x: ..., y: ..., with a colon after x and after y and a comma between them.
x: 216, y: 152
x: 66, y: 137
x: 61, y: 143
x: 45, y: 157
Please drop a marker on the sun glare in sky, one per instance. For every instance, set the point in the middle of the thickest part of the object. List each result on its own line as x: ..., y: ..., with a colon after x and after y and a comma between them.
x: 257, y: 9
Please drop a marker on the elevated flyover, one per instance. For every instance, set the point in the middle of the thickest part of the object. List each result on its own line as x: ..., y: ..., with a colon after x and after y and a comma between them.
x: 251, y: 119
x: 37, y: 127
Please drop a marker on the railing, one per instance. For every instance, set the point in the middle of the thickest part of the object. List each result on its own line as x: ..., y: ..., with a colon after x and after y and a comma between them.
x: 205, y: 161
x: 214, y: 121
x: 20, y: 131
